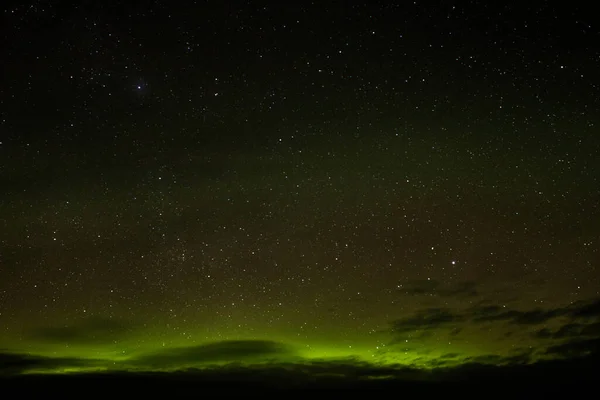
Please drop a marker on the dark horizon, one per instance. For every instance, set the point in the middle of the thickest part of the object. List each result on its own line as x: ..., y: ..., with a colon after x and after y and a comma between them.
x: 325, y: 377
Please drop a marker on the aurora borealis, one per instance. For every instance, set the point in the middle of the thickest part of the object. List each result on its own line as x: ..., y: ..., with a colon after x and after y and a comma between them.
x: 199, y: 185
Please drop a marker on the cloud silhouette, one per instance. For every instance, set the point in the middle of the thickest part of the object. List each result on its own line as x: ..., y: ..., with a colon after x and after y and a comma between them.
x: 566, y: 331
x: 577, y: 333
x: 576, y: 348
x: 495, y: 359
x: 420, y: 287
x: 226, y: 351
x: 570, y: 330
x: 431, y: 318
x: 578, y: 311
x: 586, y: 310
x: 17, y: 363
x: 533, y: 317
x: 432, y: 287
x: 461, y: 290
x: 94, y: 330
x: 450, y: 355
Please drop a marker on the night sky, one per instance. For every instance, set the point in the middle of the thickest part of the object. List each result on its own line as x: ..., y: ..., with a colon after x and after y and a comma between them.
x: 193, y: 184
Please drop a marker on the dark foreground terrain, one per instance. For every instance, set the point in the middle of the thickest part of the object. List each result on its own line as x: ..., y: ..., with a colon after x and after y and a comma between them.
x: 579, y: 376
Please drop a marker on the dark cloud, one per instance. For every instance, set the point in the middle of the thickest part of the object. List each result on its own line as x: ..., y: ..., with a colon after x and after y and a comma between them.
x: 17, y: 363
x: 566, y: 331
x: 461, y: 290
x: 450, y: 355
x: 492, y: 359
x: 420, y: 287
x: 351, y: 368
x: 495, y: 359
x: 431, y: 318
x: 432, y: 287
x: 586, y: 310
x: 591, y: 329
x: 570, y: 330
x: 226, y: 351
x: 544, y: 333
x: 577, y: 311
x: 576, y: 336
x: 533, y: 317
x: 485, y: 311
x: 87, y: 331
x: 576, y: 348
x: 455, y: 331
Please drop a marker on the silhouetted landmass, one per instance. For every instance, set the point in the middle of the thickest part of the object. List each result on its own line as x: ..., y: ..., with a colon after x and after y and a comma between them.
x: 543, y: 377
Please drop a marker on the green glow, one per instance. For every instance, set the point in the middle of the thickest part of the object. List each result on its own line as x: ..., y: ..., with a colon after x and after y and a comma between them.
x: 129, y: 355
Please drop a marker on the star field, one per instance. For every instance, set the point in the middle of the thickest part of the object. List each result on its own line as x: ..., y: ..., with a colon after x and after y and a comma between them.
x: 412, y: 183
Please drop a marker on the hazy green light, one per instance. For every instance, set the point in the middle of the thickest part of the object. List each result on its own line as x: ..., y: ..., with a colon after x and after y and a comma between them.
x: 126, y: 355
